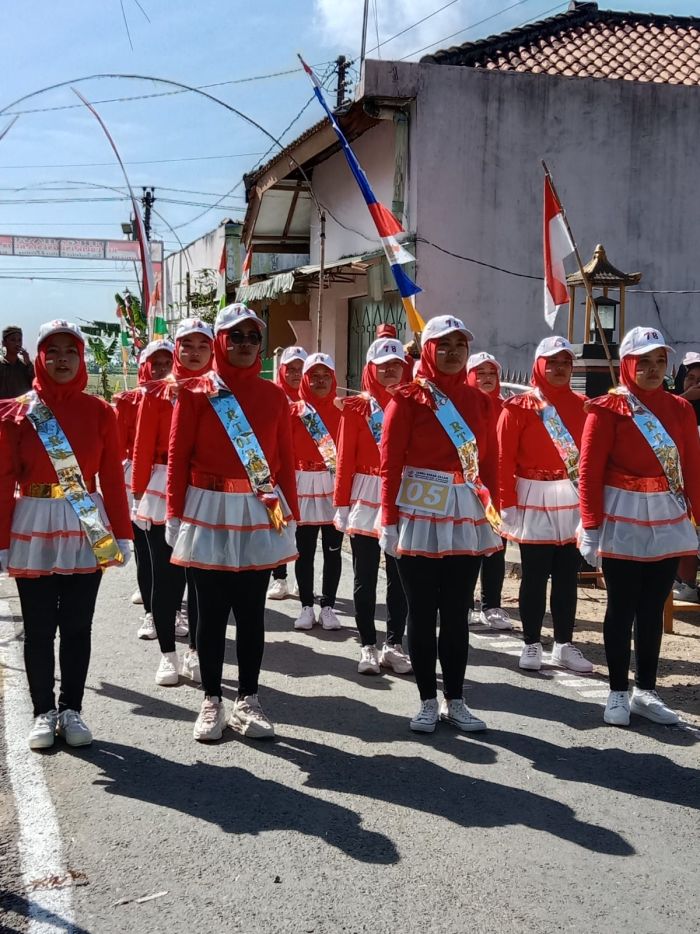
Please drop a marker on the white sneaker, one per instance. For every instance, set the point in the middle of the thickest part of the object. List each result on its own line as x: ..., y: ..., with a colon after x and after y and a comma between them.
x: 167, y: 673
x: 189, y: 667
x: 42, y: 734
x: 427, y: 717
x: 474, y: 618
x: 369, y: 663
x: 147, y: 629
x: 328, y: 619
x: 137, y: 598
x: 394, y: 657
x: 648, y: 704
x: 496, y: 618
x: 685, y: 593
x: 617, y: 709
x: 210, y: 721
x: 567, y: 655
x: 306, y: 619
x: 248, y: 718
x: 278, y: 590
x: 458, y: 714
x: 531, y: 657
x: 182, y: 626
x: 73, y: 728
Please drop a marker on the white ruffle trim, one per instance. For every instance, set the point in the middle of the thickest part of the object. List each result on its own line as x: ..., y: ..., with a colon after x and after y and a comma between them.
x: 47, y: 538
x: 152, y: 505
x: 463, y: 530
x: 644, y: 526
x: 127, y: 466
x: 547, y: 513
x: 231, y: 532
x: 315, y: 492
x: 365, y: 517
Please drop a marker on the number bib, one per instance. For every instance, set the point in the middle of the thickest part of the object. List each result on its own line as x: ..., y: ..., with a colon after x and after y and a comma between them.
x: 425, y: 490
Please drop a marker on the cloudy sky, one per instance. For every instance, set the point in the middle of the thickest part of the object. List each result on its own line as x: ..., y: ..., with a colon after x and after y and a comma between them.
x: 57, y: 173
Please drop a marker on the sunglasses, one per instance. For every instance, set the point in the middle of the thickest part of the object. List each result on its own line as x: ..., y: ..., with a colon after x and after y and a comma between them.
x: 241, y: 337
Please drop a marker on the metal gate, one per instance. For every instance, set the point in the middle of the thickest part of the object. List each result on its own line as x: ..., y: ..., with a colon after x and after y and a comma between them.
x: 364, y: 316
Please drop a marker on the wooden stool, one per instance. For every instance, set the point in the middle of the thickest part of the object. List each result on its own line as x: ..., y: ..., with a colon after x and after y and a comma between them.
x: 682, y: 606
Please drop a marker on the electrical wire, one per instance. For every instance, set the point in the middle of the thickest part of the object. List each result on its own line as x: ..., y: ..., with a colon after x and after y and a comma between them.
x: 88, y: 165
x: 412, y: 26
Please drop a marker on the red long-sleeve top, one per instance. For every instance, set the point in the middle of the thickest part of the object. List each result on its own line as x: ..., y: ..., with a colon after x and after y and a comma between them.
x: 524, y: 444
x: 413, y: 436
x: 90, y: 425
x: 126, y: 405
x: 151, y: 440
x: 357, y: 449
x: 614, y: 448
x: 305, y: 451
x: 198, y: 441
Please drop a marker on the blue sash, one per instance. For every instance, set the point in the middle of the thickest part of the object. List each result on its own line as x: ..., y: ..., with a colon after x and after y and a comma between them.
x: 70, y: 478
x: 247, y: 447
x: 463, y: 438
x: 561, y: 438
x: 320, y: 436
x: 375, y: 419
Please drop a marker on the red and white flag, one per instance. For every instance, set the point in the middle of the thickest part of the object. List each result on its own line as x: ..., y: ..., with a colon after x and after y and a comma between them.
x: 245, y: 271
x: 221, y: 284
x: 557, y: 246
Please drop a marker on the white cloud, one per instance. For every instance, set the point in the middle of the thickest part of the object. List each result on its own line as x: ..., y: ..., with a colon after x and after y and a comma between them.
x: 340, y: 23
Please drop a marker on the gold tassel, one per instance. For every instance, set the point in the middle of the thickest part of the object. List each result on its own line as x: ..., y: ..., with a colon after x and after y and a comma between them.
x: 277, y: 520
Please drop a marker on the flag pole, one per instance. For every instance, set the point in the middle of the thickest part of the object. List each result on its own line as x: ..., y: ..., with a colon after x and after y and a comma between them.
x: 584, y: 277
x: 321, y: 270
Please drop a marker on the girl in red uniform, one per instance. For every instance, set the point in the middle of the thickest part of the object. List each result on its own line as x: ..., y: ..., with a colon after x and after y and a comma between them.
x: 484, y: 373
x: 148, y: 478
x: 59, y: 535
x: 227, y: 525
x: 315, y: 423
x: 127, y: 405
x: 358, y: 500
x: 434, y: 517
x: 639, y: 482
x: 289, y: 379
x: 539, y: 437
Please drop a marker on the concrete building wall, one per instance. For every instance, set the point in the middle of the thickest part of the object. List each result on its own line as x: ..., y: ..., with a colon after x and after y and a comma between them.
x: 624, y: 156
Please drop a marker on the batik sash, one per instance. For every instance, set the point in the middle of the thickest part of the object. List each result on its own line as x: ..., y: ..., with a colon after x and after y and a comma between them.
x: 236, y: 425
x: 461, y: 435
x: 375, y: 419
x: 320, y: 436
x: 661, y: 443
x: 560, y: 437
x: 70, y: 479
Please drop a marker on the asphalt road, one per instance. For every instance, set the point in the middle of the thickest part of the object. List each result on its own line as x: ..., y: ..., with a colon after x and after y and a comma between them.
x: 347, y: 822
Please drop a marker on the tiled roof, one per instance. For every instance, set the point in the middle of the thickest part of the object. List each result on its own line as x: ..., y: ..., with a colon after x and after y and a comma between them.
x: 586, y: 42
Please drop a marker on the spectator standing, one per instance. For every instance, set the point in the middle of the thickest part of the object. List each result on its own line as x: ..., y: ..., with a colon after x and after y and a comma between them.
x: 16, y: 369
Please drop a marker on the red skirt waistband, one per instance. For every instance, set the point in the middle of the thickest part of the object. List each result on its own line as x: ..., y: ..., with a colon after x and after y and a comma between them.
x: 539, y: 473
x: 623, y: 481
x: 312, y: 466
x: 218, y: 484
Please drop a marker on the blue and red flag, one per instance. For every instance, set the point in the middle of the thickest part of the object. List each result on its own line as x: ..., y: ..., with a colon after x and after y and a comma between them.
x: 385, y: 222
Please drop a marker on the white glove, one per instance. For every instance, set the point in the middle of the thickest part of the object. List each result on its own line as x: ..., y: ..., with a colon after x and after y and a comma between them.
x: 4, y: 560
x: 172, y: 530
x: 292, y: 527
x: 341, y: 518
x: 124, y: 545
x: 509, y: 516
x: 389, y: 540
x: 588, y: 546
x: 143, y: 524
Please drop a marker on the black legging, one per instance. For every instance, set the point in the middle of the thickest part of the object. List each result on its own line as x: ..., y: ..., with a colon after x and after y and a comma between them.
x: 493, y: 572
x: 366, y: 555
x: 539, y: 563
x: 637, y: 591
x: 331, y: 541
x: 168, y: 587
x: 280, y: 573
x: 444, y: 586
x: 63, y: 602
x: 144, y: 576
x: 192, y: 608
x: 219, y: 593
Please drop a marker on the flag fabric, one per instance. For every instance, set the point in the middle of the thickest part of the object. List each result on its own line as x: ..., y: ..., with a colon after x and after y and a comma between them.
x: 124, y: 344
x: 245, y: 271
x: 385, y: 222
x: 557, y: 246
x: 221, y: 286
x: 158, y: 326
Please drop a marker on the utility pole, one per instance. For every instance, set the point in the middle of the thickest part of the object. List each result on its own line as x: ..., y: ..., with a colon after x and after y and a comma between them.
x: 147, y: 201
x: 341, y: 64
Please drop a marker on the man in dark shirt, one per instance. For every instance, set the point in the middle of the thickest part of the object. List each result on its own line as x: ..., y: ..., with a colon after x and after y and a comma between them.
x: 16, y: 370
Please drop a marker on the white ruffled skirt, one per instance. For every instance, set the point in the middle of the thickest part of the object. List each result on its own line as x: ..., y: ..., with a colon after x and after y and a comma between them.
x: 231, y: 532
x: 47, y: 538
x: 364, y: 517
x: 315, y: 492
x: 152, y: 505
x: 547, y: 513
x: 127, y: 466
x: 644, y: 526
x: 462, y: 530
